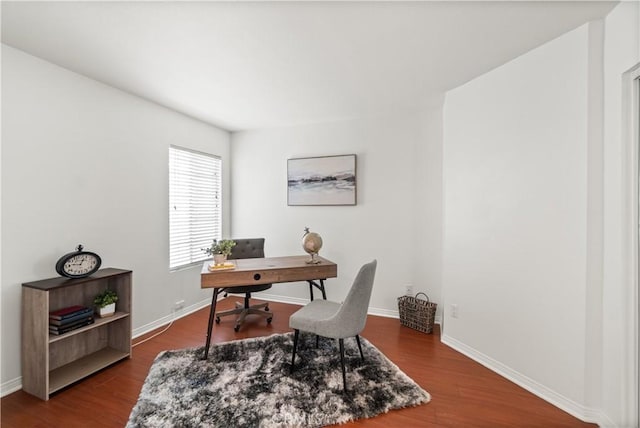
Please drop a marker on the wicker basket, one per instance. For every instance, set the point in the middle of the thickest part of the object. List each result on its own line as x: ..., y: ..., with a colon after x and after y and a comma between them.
x: 416, y: 313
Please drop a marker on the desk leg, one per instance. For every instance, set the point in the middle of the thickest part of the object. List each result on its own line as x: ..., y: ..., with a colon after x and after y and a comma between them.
x: 212, y: 312
x: 319, y: 287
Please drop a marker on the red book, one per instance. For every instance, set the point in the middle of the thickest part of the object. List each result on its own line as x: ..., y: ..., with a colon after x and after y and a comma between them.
x: 71, y: 319
x: 67, y: 312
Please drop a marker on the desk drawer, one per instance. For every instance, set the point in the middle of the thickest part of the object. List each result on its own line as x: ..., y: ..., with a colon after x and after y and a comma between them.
x: 237, y: 278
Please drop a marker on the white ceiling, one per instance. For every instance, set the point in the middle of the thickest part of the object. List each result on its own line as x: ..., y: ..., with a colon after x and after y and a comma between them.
x: 241, y: 65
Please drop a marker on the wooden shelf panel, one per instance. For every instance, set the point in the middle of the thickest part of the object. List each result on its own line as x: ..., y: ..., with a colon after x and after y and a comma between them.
x: 60, y: 282
x: 72, y: 372
x: 98, y: 322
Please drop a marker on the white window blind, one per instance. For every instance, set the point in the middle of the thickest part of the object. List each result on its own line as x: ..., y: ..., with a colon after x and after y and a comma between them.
x: 195, y: 205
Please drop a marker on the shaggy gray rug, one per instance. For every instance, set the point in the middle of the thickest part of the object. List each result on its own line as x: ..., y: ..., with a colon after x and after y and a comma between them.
x: 246, y: 383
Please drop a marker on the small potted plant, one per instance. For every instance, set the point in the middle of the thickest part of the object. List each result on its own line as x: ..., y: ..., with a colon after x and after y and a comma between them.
x: 106, y: 303
x: 220, y: 250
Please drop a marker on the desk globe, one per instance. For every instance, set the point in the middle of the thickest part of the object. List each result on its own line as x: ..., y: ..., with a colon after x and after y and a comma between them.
x: 311, y: 243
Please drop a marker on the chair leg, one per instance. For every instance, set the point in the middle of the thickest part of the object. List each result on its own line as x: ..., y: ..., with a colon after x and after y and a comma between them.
x: 317, y: 341
x: 344, y: 375
x: 359, y: 347
x: 295, y: 345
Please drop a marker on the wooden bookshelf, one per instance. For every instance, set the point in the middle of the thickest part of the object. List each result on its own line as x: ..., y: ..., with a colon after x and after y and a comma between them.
x: 51, y: 362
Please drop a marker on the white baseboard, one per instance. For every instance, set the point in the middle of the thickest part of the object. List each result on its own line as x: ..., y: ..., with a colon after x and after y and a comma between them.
x: 10, y: 386
x: 14, y: 385
x: 575, y: 409
x: 282, y: 299
x: 302, y: 301
x: 137, y: 332
x: 606, y: 422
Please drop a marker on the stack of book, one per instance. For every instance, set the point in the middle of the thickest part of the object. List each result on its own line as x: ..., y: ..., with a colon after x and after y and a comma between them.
x: 67, y: 319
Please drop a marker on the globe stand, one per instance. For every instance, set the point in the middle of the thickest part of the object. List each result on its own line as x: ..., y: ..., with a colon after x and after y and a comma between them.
x: 313, y: 260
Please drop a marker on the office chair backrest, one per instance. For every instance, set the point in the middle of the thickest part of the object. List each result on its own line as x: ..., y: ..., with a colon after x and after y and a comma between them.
x: 247, y: 249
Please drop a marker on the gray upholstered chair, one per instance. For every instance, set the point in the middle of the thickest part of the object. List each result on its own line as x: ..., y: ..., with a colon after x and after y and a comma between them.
x: 247, y: 249
x: 335, y: 320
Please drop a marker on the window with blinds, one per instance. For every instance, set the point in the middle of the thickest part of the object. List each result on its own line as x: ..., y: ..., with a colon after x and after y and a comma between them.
x: 195, y: 205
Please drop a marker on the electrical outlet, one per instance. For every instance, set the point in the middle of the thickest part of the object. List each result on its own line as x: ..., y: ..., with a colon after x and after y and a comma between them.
x: 409, y: 290
x: 454, y: 311
x: 178, y: 305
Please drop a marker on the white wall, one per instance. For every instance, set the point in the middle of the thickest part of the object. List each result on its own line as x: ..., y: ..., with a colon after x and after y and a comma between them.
x: 622, y: 51
x: 85, y: 163
x: 515, y: 229
x: 397, y: 219
x: 534, y: 230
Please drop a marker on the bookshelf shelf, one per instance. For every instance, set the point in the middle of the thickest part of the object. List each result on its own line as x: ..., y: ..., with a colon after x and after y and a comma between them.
x: 98, y: 322
x: 80, y: 368
x: 51, y: 362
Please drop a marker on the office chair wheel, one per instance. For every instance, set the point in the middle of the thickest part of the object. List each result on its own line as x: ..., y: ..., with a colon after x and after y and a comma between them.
x: 266, y: 308
x: 236, y: 328
x: 217, y: 320
x: 269, y: 320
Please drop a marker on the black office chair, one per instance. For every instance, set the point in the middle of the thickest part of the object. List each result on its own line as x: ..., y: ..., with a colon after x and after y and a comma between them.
x: 247, y: 249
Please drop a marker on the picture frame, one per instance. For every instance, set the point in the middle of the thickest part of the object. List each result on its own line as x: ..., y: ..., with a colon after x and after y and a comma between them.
x: 322, y: 180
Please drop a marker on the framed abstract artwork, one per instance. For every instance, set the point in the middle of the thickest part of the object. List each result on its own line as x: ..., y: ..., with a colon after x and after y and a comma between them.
x: 325, y: 180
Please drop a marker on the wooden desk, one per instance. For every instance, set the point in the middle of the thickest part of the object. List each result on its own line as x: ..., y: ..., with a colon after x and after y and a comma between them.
x: 268, y: 270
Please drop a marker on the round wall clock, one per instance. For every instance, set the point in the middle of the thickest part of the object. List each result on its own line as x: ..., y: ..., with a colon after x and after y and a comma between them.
x: 78, y: 264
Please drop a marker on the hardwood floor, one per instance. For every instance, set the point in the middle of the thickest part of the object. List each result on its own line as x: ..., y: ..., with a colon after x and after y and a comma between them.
x: 464, y: 393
